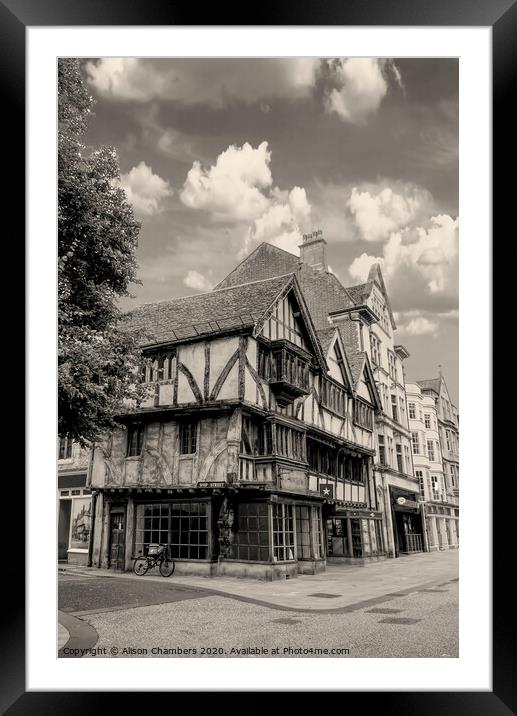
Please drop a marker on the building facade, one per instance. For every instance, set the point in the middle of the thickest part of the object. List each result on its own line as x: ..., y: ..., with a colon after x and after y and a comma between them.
x: 74, y: 503
x: 276, y: 436
x: 447, y: 417
x: 253, y: 454
x: 393, y: 469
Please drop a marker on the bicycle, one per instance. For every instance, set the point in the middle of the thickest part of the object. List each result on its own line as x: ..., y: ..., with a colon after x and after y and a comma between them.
x: 155, y: 556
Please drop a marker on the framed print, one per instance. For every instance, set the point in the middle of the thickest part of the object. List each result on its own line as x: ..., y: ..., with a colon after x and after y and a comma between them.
x: 267, y: 246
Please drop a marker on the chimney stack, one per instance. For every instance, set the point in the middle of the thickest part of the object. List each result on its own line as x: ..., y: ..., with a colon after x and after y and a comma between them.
x: 313, y: 252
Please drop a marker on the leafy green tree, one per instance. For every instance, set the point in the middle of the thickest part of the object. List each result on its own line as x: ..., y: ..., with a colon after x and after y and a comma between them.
x: 98, y: 358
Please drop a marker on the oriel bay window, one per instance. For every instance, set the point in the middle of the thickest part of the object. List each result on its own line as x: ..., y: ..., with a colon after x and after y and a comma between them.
x: 256, y: 437
x: 332, y: 396
x: 181, y: 526
x: 289, y: 373
x: 363, y: 415
x: 334, y: 462
x: 290, y: 442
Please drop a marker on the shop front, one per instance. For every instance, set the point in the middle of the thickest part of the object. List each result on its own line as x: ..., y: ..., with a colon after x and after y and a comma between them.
x: 354, y: 536
x: 239, y: 532
x: 407, y: 522
x: 74, y: 521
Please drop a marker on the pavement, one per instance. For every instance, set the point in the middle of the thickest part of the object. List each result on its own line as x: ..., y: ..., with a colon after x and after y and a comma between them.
x: 406, y: 607
x: 338, y: 587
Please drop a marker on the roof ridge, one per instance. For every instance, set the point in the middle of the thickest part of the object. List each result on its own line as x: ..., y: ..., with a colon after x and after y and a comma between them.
x: 209, y: 293
x: 248, y: 256
x: 247, y: 283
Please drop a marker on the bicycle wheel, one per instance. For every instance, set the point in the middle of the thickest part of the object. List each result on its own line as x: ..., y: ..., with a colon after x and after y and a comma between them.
x: 140, y: 566
x: 167, y: 567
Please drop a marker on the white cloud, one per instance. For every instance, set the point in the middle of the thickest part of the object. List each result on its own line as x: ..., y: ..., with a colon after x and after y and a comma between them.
x: 216, y: 82
x: 411, y: 323
x: 145, y: 190
x: 197, y: 281
x: 431, y: 253
x: 282, y: 223
x: 379, y: 210
x: 361, y: 85
x: 238, y: 188
x: 231, y: 188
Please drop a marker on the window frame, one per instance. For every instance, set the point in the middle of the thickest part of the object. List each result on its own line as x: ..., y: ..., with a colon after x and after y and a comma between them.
x: 193, y: 438
x: 140, y: 435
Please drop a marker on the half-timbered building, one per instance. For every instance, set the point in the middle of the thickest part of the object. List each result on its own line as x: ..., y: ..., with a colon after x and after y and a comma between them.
x: 253, y: 454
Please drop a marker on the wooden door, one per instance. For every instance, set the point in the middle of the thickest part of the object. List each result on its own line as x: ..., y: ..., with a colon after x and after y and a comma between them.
x: 117, y: 540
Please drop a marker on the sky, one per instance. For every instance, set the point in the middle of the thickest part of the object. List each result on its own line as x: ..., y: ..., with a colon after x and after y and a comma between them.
x: 218, y: 155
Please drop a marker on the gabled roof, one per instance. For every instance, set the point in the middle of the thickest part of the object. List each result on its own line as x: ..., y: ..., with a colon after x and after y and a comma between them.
x: 323, y: 292
x: 430, y: 384
x: 362, y: 291
x: 435, y: 384
x: 326, y: 337
x: 265, y: 262
x: 216, y: 311
x: 360, y: 364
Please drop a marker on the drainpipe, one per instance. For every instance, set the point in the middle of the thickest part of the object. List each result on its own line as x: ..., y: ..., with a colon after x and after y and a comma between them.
x: 94, y: 502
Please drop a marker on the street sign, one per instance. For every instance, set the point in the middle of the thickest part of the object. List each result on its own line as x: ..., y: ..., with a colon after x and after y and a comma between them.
x: 327, y: 490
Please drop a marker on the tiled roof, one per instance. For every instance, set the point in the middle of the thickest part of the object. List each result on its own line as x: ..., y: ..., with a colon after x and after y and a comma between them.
x: 430, y: 384
x: 356, y: 363
x: 325, y: 336
x: 219, y: 310
x: 360, y: 292
x: 323, y: 293
x: 265, y: 262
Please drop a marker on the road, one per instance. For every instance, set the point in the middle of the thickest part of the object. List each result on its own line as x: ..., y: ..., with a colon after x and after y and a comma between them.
x: 138, y: 618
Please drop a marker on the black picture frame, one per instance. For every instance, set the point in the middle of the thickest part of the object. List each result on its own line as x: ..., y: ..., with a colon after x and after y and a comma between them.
x: 15, y: 17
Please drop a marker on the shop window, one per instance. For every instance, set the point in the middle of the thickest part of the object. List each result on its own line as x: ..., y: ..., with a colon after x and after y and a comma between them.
x: 65, y: 448
x: 135, y: 440
x: 283, y: 532
x: 337, y: 538
x: 251, y: 533
x: 188, y: 438
x: 181, y: 526
x: 80, y: 523
x: 303, y: 532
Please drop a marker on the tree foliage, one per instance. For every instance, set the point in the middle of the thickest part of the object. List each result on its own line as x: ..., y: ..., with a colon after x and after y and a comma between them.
x: 97, y: 239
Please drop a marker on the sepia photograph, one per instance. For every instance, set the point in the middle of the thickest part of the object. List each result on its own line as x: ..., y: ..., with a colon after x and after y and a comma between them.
x: 258, y: 371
